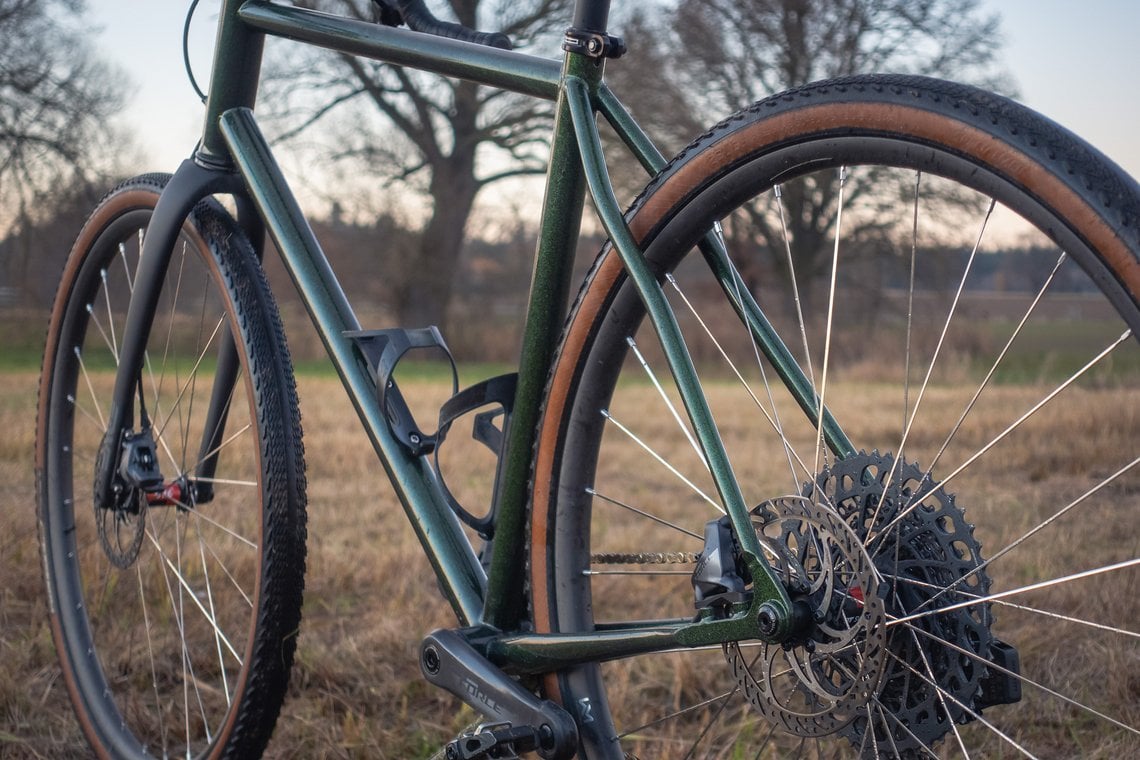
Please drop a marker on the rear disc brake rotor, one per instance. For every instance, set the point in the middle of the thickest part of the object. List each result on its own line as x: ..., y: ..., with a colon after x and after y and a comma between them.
x: 820, y: 681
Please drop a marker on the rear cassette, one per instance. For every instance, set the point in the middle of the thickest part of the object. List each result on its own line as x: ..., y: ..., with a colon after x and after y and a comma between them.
x: 927, y: 557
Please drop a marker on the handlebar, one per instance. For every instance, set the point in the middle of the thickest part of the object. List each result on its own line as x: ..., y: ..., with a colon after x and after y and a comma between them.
x: 419, y: 19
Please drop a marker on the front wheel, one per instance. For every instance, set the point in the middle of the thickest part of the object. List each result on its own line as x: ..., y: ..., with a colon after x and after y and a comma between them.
x: 957, y: 280
x: 175, y: 602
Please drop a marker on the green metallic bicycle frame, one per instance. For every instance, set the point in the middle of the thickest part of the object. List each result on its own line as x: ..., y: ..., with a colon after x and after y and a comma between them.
x: 487, y: 604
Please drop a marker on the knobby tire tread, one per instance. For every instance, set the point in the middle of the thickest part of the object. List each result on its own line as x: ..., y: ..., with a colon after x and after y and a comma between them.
x: 271, y: 380
x: 1113, y: 195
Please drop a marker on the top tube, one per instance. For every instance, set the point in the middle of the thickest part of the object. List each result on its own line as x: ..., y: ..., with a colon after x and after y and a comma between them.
x: 243, y: 24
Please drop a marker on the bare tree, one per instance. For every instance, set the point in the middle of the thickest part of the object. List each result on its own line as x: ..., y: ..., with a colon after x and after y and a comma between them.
x: 734, y: 52
x: 441, y: 140
x: 56, y: 99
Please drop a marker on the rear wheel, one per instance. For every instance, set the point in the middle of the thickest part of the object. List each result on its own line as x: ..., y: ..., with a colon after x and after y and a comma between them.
x: 958, y: 279
x: 175, y: 606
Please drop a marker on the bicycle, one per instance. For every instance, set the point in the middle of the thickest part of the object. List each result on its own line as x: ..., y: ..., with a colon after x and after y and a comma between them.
x: 845, y: 601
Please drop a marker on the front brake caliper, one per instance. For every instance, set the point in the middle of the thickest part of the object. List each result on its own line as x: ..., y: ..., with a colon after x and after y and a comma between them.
x: 138, y: 463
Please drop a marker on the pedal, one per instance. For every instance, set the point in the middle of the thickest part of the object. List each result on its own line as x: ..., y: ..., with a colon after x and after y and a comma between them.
x: 487, y: 744
x: 449, y: 662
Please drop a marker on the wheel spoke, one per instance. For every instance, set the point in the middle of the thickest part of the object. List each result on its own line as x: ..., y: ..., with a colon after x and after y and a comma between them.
x: 1025, y: 680
x: 997, y: 362
x: 643, y: 513
x: 773, y: 418
x: 937, y: 353
x: 206, y: 518
x: 684, y: 428
x: 901, y: 724
x: 107, y: 340
x: 1021, y: 590
x: 180, y: 622
x: 99, y: 426
x: 168, y: 345
x: 90, y: 389
x: 832, y: 285
x: 110, y: 317
x: 678, y: 713
x: 186, y: 386
x: 662, y: 461
x: 228, y: 482
x: 229, y: 441
x: 185, y: 586
x: 779, y: 195
x: 637, y: 572
x: 1012, y: 605
x: 711, y: 722
x: 972, y: 713
x: 939, y: 691
x: 150, y: 656
x: 1001, y: 436
x: 126, y: 266
x: 226, y: 570
x: 213, y: 612
x: 194, y: 373
x: 910, y: 301
x: 1033, y: 531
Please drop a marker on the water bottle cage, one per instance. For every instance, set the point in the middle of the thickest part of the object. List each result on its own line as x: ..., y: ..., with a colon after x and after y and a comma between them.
x: 383, y: 350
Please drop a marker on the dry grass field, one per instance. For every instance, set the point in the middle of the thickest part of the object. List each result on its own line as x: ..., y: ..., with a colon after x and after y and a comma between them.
x: 370, y: 595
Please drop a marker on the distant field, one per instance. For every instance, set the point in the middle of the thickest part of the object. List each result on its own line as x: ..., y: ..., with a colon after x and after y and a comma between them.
x: 356, y: 690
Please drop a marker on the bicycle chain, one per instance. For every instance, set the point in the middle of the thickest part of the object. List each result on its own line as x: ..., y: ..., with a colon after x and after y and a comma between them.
x: 645, y: 558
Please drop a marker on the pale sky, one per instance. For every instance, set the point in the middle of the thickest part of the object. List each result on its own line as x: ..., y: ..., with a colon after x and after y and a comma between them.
x: 1076, y: 62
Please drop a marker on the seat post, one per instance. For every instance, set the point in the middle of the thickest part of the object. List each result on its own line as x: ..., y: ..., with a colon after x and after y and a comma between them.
x: 591, y: 15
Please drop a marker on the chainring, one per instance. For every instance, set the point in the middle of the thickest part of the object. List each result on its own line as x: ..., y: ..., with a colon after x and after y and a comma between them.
x: 921, y: 544
x: 821, y: 682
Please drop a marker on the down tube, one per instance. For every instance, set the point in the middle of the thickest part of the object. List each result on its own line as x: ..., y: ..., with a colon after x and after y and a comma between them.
x: 455, y: 564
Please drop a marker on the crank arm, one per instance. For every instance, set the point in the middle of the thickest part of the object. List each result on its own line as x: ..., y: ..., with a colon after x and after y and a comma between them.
x: 451, y: 663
